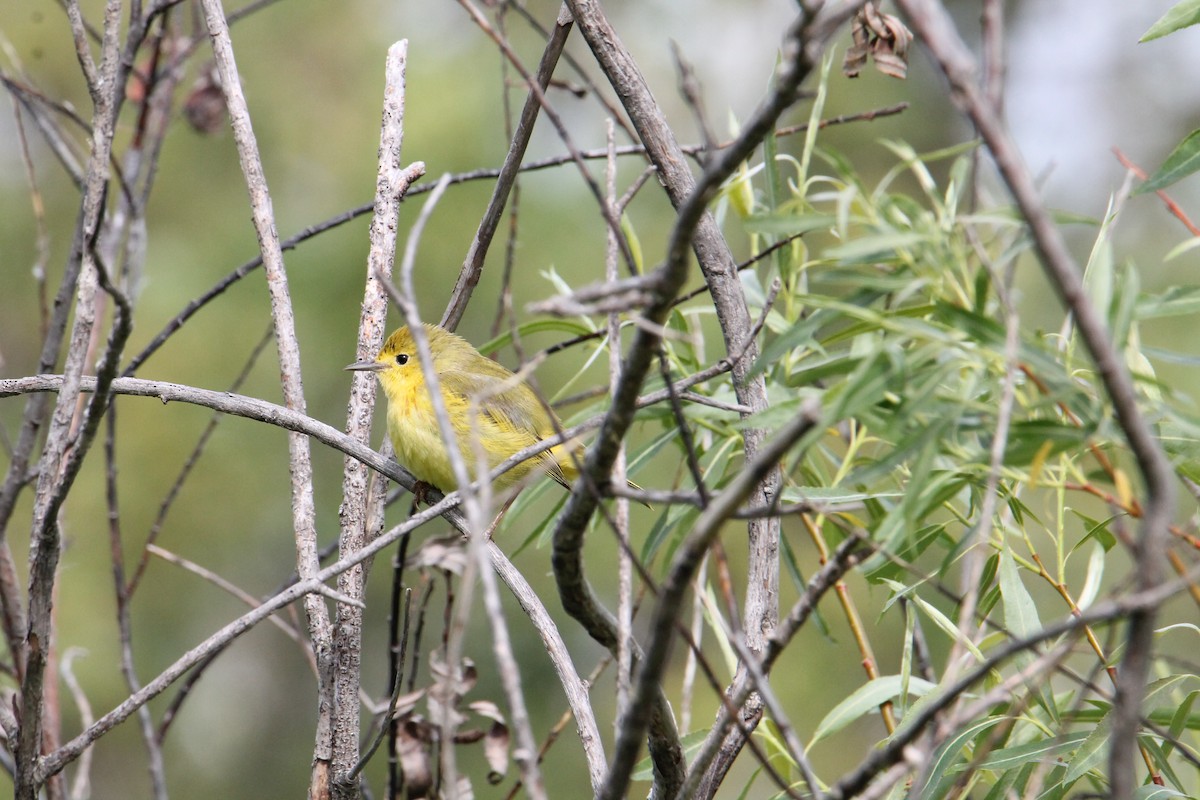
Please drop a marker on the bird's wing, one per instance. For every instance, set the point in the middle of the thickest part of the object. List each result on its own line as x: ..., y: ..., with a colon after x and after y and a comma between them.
x: 514, y: 409
x: 503, y: 397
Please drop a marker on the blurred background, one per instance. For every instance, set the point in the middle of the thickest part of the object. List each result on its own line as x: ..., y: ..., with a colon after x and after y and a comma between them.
x: 1078, y: 85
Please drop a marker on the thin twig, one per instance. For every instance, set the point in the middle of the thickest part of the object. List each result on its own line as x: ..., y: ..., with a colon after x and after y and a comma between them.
x: 387, y: 726
x: 54, y: 762
x: 556, y: 120
x: 575, y: 688
x: 624, y: 653
x: 130, y: 586
x: 81, y: 786
x: 694, y: 230
x: 718, y: 747
x: 124, y: 624
x: 473, y: 263
x: 1170, y: 203
x: 233, y: 590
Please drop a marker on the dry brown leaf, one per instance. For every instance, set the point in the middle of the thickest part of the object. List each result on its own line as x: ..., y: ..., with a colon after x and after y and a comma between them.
x: 883, y: 37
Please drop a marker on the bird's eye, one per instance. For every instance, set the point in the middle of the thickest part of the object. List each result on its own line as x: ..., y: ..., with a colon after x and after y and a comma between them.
x: 402, y: 358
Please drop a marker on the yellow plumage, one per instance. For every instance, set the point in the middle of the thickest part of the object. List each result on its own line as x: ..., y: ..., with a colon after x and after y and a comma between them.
x: 491, y: 410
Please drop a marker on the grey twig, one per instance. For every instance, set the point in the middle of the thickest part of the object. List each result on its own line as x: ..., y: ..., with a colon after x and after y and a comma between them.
x: 559, y: 125
x: 299, y: 461
x: 52, y: 763
x: 81, y: 786
x: 233, y: 590
x: 423, y: 188
x: 575, y: 688
x: 475, y: 497
x: 473, y: 263
x: 405, y: 299
x: 86, y: 64
x: 623, y: 655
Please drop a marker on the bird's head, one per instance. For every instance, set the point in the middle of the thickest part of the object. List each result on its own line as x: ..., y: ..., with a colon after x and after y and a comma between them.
x: 397, y: 361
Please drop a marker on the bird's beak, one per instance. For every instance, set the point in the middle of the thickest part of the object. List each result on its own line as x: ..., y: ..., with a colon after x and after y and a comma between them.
x: 365, y: 366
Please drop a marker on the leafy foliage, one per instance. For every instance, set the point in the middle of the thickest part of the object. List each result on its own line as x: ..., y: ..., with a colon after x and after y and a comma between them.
x: 977, y: 453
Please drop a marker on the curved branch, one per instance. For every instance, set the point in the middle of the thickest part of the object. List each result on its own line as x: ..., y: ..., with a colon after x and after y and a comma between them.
x: 933, y: 25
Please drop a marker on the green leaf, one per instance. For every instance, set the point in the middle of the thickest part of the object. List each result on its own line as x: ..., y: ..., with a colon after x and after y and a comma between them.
x: 1097, y: 530
x: 1180, y: 437
x: 947, y: 625
x: 1179, y: 721
x: 1187, y: 245
x: 792, y: 564
x: 873, y: 248
x: 1177, y: 301
x: 1020, y: 612
x: 864, y: 700
x: 1007, y: 783
x: 668, y: 522
x: 1159, y: 759
x: 936, y: 491
x: 635, y: 244
x: 1021, y: 619
x: 801, y: 333
x: 1009, y: 757
x: 1183, y: 161
x: 783, y: 224
x: 833, y: 495
x: 1180, y: 15
x: 912, y: 546
x: 1091, y: 752
x: 1094, y: 576
x: 1171, y: 681
x: 1040, y: 439
x: 545, y: 527
x: 642, y: 455
x: 1099, y: 276
x: 1152, y: 792
x: 1124, y: 306
x: 565, y: 326
x: 941, y: 769
x: 811, y: 371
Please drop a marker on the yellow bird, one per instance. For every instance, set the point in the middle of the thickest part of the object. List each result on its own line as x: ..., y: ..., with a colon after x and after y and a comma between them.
x: 487, y: 405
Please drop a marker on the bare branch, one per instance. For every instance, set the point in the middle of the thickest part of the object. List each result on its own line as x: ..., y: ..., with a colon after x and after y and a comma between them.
x: 66, y: 442
x: 362, y: 509
x: 723, y: 742
x: 54, y: 762
x: 473, y: 263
